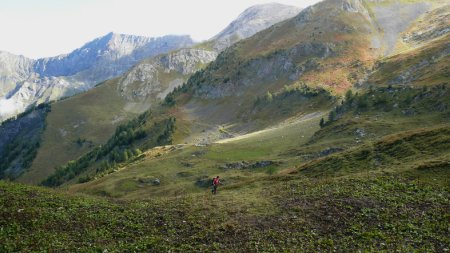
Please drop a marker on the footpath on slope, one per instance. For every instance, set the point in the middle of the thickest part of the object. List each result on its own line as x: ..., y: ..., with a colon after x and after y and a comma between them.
x: 291, y: 121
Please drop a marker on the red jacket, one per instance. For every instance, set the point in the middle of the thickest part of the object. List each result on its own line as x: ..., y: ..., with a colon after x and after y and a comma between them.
x: 216, y: 181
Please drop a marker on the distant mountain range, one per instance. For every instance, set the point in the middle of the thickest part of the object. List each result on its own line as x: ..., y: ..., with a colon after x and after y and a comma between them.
x: 25, y: 82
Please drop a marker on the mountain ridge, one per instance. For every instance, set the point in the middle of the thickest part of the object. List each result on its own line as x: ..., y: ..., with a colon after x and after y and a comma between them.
x: 28, y: 81
x: 252, y: 20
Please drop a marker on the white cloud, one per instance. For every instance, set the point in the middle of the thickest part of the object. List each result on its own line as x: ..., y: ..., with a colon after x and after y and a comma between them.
x: 50, y: 27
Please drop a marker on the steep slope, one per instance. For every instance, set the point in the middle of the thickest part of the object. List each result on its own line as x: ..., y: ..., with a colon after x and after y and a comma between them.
x: 20, y: 140
x: 434, y: 24
x: 26, y: 82
x: 151, y: 80
x: 251, y: 21
x: 326, y: 47
x: 93, y: 116
x: 332, y: 46
x: 423, y: 66
x: 421, y: 57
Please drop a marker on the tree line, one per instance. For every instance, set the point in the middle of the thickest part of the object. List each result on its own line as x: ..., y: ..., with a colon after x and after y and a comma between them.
x: 124, y: 145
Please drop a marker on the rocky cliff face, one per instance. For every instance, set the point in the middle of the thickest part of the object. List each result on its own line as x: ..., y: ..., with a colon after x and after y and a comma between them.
x: 251, y: 21
x: 13, y: 69
x: 160, y: 75
x: 112, y: 54
x: 24, y: 81
x: 286, y: 65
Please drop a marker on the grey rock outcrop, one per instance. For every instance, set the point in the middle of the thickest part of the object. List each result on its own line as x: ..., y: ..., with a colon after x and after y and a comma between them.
x: 247, y: 165
x: 160, y: 75
x: 434, y: 24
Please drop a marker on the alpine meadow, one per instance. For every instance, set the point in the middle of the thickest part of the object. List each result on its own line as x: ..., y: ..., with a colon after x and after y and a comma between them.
x: 328, y: 125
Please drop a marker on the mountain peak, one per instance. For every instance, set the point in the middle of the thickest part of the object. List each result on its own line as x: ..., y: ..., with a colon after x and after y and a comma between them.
x: 252, y: 20
x: 113, y: 48
x: 272, y: 7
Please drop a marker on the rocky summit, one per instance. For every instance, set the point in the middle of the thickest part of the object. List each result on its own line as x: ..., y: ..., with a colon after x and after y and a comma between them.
x: 251, y: 21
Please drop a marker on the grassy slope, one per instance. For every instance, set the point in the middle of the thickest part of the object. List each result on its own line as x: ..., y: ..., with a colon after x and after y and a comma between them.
x: 182, y: 169
x: 240, y: 114
x: 346, y: 34
x: 92, y: 116
x: 426, y: 65
x: 290, y: 144
x: 417, y: 153
x: 352, y: 34
x: 272, y: 213
x: 388, y: 190
x: 240, y: 69
x: 341, y: 202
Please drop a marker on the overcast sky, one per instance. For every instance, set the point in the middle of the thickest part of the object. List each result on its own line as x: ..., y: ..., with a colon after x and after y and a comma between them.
x: 43, y: 28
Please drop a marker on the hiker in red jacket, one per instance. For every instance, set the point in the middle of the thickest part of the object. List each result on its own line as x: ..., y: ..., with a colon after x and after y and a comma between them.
x: 215, y: 184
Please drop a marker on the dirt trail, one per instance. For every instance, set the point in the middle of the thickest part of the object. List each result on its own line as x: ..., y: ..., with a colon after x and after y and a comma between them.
x: 290, y: 121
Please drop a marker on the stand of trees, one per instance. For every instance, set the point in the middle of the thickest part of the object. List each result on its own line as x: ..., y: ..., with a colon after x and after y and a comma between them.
x: 120, y: 148
x: 403, y: 100
x: 20, y: 152
x: 298, y: 92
